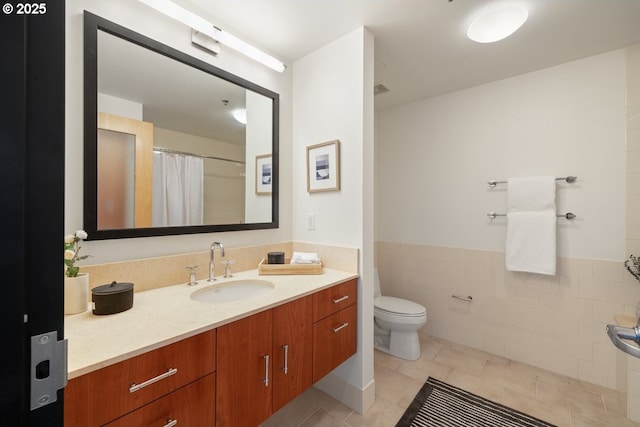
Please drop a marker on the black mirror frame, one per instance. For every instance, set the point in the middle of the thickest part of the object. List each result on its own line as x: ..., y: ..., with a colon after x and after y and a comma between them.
x: 94, y: 23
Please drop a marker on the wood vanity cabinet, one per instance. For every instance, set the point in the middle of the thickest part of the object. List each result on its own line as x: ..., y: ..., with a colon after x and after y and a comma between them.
x: 264, y: 361
x: 243, y: 391
x: 103, y: 396
x: 191, y: 405
x: 236, y: 375
x: 334, y: 327
x: 292, y: 350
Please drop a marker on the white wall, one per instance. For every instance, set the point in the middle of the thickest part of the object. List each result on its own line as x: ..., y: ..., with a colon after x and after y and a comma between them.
x: 436, y: 156
x: 258, y: 129
x: 434, y: 240
x: 333, y: 100
x: 144, y: 20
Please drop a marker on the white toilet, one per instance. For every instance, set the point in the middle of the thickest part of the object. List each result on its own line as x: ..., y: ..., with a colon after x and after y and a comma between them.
x: 396, y: 324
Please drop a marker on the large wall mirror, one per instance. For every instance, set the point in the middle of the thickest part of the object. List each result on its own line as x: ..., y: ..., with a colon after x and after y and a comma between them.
x: 173, y: 145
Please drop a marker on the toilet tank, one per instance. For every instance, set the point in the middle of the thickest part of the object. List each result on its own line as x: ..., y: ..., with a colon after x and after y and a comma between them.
x: 376, y: 288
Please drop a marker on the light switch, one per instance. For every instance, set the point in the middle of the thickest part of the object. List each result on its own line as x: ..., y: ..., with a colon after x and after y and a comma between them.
x: 311, y: 221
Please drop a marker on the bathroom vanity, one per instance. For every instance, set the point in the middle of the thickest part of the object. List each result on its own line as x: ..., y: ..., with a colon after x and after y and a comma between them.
x: 185, y: 362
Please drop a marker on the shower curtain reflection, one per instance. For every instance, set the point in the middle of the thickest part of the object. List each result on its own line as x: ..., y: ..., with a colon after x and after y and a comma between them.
x: 177, y: 190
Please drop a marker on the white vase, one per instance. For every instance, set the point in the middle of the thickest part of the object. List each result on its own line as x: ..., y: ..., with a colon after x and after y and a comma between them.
x: 76, y: 293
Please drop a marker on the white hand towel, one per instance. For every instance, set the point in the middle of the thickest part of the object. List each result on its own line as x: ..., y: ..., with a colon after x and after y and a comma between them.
x: 305, y: 258
x: 531, y: 242
x: 531, y: 225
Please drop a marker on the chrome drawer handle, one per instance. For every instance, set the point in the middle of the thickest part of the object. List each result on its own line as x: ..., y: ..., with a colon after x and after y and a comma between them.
x: 171, y: 423
x: 266, y: 370
x: 344, y: 325
x: 286, y: 358
x: 135, y: 387
x: 338, y: 300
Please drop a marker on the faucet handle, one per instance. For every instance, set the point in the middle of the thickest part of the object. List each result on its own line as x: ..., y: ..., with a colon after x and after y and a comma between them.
x: 192, y: 274
x: 227, y: 271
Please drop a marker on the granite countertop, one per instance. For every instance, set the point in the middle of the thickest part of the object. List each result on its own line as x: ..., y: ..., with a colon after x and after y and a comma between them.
x: 165, y: 315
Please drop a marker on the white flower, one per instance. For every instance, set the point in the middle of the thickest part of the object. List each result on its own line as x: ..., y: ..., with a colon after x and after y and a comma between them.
x: 81, y: 234
x: 69, y: 254
x: 69, y: 238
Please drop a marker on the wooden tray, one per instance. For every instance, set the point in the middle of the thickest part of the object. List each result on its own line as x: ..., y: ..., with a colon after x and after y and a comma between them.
x: 265, y: 269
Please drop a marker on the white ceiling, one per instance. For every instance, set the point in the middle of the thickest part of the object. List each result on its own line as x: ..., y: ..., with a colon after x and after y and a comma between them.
x: 421, y: 48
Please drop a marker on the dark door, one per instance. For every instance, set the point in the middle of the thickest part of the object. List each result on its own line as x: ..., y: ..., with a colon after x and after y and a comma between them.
x: 31, y: 199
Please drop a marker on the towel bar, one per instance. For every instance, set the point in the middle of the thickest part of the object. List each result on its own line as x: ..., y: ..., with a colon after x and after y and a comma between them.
x: 569, y: 179
x: 568, y: 215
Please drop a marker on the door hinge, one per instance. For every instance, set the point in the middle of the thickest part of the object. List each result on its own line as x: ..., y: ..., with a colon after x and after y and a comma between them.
x: 48, y: 368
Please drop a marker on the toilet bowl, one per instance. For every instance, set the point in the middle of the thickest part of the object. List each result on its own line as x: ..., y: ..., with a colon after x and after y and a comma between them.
x: 396, y: 324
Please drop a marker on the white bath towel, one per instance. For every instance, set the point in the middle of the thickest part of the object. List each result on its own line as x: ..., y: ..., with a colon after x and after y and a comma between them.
x: 531, y: 225
x: 531, y: 242
x: 305, y: 258
x: 531, y: 194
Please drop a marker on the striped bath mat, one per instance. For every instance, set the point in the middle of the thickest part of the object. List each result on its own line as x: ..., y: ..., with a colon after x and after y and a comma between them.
x: 439, y: 404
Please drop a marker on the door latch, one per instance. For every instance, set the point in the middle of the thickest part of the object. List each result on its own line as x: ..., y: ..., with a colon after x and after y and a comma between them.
x: 48, y: 368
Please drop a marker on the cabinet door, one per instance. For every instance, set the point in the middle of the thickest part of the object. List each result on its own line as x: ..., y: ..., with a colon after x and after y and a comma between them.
x: 292, y: 346
x: 191, y: 405
x: 243, y: 390
x: 334, y: 341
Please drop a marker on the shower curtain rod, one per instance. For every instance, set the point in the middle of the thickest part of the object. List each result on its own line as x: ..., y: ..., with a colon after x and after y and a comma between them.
x: 186, y: 153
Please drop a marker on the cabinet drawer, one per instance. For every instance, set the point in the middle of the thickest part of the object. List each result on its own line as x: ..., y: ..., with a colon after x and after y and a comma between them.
x: 334, y: 341
x: 334, y: 299
x: 103, y: 395
x: 191, y: 405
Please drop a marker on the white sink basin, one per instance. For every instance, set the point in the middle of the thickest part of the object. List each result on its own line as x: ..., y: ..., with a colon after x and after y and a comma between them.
x: 235, y: 290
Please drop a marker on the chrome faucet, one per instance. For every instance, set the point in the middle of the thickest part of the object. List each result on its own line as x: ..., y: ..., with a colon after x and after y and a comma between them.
x: 212, y: 268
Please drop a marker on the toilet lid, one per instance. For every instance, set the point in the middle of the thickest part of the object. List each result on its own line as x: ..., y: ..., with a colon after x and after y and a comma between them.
x: 398, y: 306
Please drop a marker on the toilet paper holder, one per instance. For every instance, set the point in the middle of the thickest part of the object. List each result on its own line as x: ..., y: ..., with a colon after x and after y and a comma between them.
x: 463, y: 298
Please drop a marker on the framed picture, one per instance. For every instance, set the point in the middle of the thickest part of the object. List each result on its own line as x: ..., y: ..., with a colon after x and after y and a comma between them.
x: 263, y: 174
x: 323, y: 167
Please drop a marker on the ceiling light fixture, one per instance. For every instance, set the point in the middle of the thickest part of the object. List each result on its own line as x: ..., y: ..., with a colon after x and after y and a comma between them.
x: 497, y: 23
x: 206, y: 28
x: 240, y: 115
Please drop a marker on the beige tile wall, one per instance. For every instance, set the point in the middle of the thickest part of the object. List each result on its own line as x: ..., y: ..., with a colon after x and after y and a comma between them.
x: 633, y: 150
x: 633, y: 203
x: 553, y: 322
x: 157, y: 272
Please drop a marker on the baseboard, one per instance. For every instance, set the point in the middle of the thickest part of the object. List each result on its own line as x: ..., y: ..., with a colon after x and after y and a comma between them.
x: 360, y: 400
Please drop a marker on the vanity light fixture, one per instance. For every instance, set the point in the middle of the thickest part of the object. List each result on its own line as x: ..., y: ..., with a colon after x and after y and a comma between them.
x: 206, y: 28
x: 497, y: 23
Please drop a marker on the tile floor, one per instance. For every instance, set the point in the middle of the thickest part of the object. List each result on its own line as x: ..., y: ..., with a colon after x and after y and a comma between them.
x: 557, y: 399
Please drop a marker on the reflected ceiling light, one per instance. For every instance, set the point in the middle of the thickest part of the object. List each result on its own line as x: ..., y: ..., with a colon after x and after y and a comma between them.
x: 497, y: 23
x: 206, y: 28
x: 240, y: 115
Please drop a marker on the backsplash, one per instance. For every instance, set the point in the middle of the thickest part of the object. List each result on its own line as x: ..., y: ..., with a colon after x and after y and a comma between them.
x: 151, y: 273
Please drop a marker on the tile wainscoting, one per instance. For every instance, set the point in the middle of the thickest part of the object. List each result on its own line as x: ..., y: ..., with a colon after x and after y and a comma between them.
x: 552, y: 322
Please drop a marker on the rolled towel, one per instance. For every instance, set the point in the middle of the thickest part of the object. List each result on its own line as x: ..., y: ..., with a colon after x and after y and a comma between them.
x: 305, y: 258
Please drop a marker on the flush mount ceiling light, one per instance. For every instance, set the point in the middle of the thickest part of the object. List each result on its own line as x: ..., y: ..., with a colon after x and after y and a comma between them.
x: 497, y: 23
x: 206, y: 28
x: 240, y: 115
